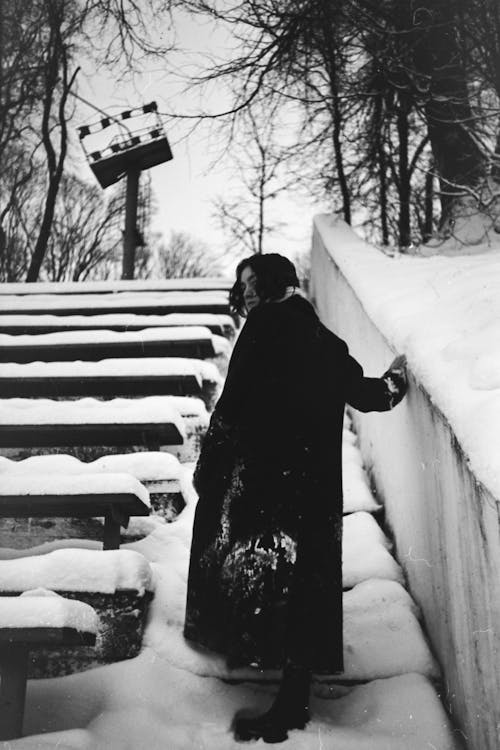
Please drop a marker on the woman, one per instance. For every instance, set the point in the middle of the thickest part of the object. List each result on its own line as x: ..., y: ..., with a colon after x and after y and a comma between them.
x: 265, y: 577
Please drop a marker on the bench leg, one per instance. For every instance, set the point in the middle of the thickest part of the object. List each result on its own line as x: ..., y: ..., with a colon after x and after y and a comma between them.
x: 14, y: 673
x: 111, y: 532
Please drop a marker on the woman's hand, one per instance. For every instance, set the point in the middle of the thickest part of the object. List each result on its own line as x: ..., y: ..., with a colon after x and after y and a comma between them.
x: 399, y: 363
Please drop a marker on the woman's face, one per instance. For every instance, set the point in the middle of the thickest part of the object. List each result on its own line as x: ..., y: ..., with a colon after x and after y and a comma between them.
x: 248, y: 281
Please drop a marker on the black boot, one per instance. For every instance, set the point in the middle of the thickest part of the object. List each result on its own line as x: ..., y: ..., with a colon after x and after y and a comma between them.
x: 290, y: 710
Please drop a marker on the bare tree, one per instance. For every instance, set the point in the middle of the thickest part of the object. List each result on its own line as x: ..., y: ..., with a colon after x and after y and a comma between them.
x: 57, y: 84
x: 318, y: 53
x: 86, y: 235
x: 259, y: 159
x: 39, y: 42
x: 184, y: 256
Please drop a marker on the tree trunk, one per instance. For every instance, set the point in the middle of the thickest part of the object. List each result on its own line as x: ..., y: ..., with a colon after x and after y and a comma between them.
x: 458, y: 159
x: 428, y: 204
x: 330, y: 60
x: 404, y: 173
x: 56, y: 69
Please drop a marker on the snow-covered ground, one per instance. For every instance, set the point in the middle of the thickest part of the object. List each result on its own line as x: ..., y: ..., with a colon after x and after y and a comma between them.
x: 173, y: 697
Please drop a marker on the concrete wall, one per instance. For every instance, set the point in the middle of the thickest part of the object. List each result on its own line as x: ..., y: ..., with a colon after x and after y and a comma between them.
x: 445, y: 523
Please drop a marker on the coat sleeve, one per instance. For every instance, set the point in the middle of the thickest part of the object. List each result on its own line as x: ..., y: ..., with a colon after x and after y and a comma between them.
x: 372, y: 394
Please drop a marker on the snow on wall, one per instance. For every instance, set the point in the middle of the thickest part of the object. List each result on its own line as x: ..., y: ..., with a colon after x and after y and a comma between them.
x: 434, y: 459
x: 45, y: 609
x: 99, y: 571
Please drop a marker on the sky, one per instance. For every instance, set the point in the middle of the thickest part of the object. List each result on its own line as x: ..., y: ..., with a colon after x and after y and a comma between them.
x: 200, y: 171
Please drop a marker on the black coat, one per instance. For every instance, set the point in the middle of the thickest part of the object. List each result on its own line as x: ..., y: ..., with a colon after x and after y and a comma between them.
x: 265, y: 577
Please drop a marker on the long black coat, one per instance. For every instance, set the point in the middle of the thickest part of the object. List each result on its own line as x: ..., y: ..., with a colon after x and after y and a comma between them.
x: 265, y: 576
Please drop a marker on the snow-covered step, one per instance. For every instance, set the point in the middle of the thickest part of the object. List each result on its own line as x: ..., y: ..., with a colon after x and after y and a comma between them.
x: 145, y: 303
x: 366, y: 552
x: 357, y: 493
x: 175, y: 341
x: 110, y: 378
x: 222, y: 325
x: 116, y: 497
x: 89, y: 422
x: 382, y: 636
x: 398, y: 713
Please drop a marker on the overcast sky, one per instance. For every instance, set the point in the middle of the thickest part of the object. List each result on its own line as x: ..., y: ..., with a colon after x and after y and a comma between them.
x: 185, y: 186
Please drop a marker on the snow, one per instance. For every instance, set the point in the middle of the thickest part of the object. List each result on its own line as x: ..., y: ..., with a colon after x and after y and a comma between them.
x: 73, y: 485
x: 152, y: 409
x: 357, y: 495
x: 129, y: 300
x: 221, y: 345
x: 156, y: 470
x: 99, y: 571
x: 45, y: 609
x: 172, y: 333
x: 121, y: 319
x: 365, y: 553
x: 188, y: 406
x: 164, y: 708
x: 151, y: 466
x: 443, y: 312
x: 113, y: 287
x: 170, y: 695
x: 134, y: 367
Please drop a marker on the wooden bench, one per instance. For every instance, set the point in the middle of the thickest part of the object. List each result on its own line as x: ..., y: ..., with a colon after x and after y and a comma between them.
x: 139, y: 303
x: 24, y: 629
x: 115, y: 497
x: 192, y: 342
x: 222, y: 325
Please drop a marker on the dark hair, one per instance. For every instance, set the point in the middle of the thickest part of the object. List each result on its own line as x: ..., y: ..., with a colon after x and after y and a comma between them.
x: 274, y: 274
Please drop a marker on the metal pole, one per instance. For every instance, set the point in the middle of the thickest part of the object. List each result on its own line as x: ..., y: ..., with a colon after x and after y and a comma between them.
x: 130, y: 234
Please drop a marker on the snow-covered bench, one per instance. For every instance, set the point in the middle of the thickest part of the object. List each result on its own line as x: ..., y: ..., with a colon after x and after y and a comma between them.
x: 89, y: 428
x: 42, y: 423
x: 117, y: 584
x: 29, y: 623
x: 143, y: 303
x: 116, y: 497
x: 160, y: 473
x: 110, y: 378
x: 193, y: 284
x: 175, y: 341
x: 222, y: 325
x: 107, y: 378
